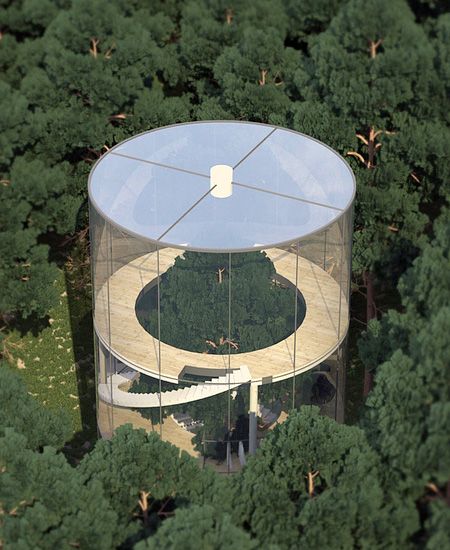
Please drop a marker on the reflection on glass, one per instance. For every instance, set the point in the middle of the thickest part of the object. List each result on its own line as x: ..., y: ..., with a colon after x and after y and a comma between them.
x: 298, y: 166
x: 247, y: 219
x: 198, y: 146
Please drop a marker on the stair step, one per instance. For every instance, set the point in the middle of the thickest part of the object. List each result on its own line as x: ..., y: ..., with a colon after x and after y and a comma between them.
x: 194, y: 392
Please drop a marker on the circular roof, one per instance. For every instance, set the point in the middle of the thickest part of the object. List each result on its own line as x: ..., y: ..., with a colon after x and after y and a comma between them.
x: 158, y: 186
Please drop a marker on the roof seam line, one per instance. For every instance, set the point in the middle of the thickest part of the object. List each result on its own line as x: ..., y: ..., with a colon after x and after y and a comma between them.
x: 160, y: 164
x: 186, y: 213
x: 288, y: 196
x: 255, y: 147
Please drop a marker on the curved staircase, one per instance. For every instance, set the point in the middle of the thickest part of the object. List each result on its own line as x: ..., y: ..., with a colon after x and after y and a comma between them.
x: 111, y: 391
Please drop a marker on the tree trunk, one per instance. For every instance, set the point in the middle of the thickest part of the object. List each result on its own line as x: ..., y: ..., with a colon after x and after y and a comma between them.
x: 371, y: 313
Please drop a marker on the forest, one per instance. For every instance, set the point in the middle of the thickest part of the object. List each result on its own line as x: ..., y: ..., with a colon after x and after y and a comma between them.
x: 369, y: 79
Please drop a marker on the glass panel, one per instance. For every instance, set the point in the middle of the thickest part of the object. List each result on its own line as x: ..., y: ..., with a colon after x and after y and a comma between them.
x: 341, y: 376
x: 347, y: 225
x: 266, y: 312
x: 197, y: 146
x: 99, y: 239
x: 315, y: 249
x: 317, y: 336
x: 104, y: 409
x: 99, y: 271
x: 204, y: 371
x: 318, y: 387
x: 143, y: 198
x: 147, y: 198
x: 276, y: 400
x: 98, y: 250
x: 99, y: 276
x: 324, y: 386
x: 131, y: 267
x: 247, y: 219
x: 299, y: 166
x: 263, y: 312
x: 194, y: 328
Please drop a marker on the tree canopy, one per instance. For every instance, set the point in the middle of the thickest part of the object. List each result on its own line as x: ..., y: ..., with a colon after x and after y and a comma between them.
x: 200, y: 312
x: 372, y: 80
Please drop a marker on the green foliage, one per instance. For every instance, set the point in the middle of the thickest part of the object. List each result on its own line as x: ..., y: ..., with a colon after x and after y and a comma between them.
x: 426, y: 287
x: 407, y: 417
x: 198, y: 527
x: 309, y: 17
x: 14, y: 116
x: 62, y: 92
x: 274, y: 500
x: 30, y: 17
x: 20, y: 411
x: 78, y: 77
x: 45, y: 503
x: 374, y: 66
x: 441, y: 35
x: 424, y: 290
x: 134, y: 461
x: 195, y: 304
x: 438, y: 526
x: 342, y: 70
x: 409, y: 404
x: 253, y: 75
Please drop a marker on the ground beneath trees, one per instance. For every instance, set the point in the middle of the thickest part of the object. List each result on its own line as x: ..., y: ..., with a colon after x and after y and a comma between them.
x: 57, y: 363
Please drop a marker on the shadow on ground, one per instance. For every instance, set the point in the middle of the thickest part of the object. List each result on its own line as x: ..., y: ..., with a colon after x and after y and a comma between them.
x: 78, y: 287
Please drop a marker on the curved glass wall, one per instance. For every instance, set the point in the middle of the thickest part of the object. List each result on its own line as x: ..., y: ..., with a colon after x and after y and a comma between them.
x: 204, y: 333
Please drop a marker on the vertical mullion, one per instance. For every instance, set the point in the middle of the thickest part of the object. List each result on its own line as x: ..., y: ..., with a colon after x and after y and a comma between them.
x: 159, y: 341
x: 229, y: 358
x: 341, y: 231
x: 109, y: 274
x: 94, y: 259
x: 295, y: 322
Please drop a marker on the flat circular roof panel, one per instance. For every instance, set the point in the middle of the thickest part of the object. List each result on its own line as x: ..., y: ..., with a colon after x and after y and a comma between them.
x: 172, y: 185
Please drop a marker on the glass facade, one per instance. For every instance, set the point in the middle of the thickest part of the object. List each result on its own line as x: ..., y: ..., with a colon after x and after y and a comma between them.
x: 215, y: 317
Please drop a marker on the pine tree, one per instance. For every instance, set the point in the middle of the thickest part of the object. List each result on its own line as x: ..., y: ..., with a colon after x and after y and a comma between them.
x: 91, y: 79
x: 134, y: 461
x: 21, y: 412
x: 309, y: 467
x: 310, y: 17
x: 45, y: 503
x: 373, y: 67
x: 253, y: 76
x: 407, y: 419
x: 199, y: 527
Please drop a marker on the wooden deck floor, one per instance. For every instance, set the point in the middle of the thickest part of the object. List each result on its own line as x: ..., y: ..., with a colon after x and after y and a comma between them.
x: 323, y: 328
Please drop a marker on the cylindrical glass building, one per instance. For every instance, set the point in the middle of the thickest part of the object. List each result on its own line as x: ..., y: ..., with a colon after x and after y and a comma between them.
x: 221, y: 259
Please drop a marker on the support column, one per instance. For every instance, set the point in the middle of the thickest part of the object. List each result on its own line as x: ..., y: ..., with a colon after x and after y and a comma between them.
x: 253, y: 414
x: 101, y: 364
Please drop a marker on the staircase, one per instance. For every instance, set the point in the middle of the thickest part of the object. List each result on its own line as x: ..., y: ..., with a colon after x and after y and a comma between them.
x: 110, y: 392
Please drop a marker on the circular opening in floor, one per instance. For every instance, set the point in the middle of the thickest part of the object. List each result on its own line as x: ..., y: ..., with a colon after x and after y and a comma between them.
x: 201, y: 313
